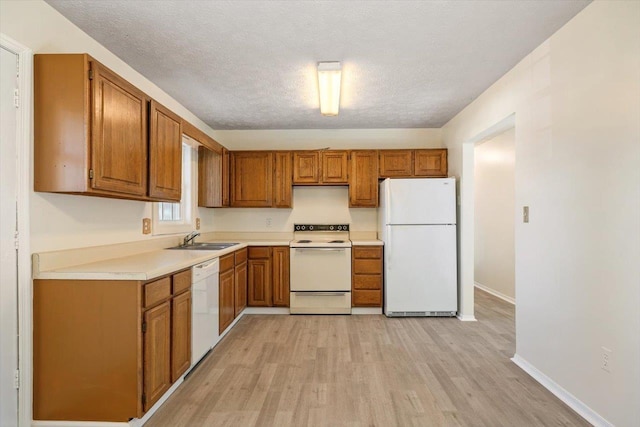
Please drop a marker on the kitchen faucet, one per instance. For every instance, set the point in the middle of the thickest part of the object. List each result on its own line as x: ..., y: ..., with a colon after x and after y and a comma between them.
x: 190, y: 238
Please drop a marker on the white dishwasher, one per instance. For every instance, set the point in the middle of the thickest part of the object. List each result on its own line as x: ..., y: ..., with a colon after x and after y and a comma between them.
x: 204, y: 308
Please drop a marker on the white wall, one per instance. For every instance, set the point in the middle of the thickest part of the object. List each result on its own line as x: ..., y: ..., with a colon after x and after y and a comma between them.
x: 494, y: 174
x: 576, y: 100
x: 324, y: 205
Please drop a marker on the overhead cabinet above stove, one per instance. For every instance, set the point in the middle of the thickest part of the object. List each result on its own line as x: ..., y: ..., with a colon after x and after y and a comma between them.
x: 96, y: 134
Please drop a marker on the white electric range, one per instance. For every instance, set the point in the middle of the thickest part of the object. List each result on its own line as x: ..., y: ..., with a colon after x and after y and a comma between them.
x: 320, y: 266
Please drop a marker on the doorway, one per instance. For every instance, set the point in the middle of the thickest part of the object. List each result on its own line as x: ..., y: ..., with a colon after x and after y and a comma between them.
x: 8, y: 231
x: 16, y: 74
x: 494, y: 219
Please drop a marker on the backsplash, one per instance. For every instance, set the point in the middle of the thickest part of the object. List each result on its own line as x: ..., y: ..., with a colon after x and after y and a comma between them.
x: 319, y: 205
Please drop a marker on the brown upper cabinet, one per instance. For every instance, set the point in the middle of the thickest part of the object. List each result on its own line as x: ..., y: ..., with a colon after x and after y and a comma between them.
x: 306, y: 167
x: 282, y: 180
x: 251, y: 178
x: 93, y: 131
x: 430, y: 162
x: 320, y: 167
x: 395, y: 163
x: 213, y: 178
x: 363, y: 179
x: 335, y: 166
x: 226, y: 178
x: 209, y: 178
x: 165, y: 154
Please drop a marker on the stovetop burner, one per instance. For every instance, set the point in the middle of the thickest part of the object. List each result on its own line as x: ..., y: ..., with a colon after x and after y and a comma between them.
x: 303, y: 241
x: 337, y: 241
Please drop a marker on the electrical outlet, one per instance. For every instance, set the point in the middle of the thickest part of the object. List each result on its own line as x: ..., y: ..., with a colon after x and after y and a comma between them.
x: 197, y: 223
x: 525, y: 214
x: 268, y: 222
x: 606, y: 359
x: 146, y: 225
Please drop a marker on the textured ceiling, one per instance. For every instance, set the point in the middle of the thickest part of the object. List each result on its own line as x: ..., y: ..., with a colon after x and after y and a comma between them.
x: 252, y: 64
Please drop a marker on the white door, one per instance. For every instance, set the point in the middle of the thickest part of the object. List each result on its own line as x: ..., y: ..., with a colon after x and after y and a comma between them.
x: 420, y: 201
x: 8, y: 254
x: 421, y: 269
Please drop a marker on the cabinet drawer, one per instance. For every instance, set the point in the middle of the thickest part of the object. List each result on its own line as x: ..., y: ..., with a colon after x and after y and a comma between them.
x: 157, y: 291
x: 227, y: 262
x: 259, y: 252
x: 367, y: 251
x: 181, y: 281
x: 367, y: 298
x: 240, y: 256
x: 367, y: 281
x: 367, y: 266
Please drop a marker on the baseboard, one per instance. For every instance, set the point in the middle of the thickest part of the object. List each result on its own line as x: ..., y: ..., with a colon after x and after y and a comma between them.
x: 266, y: 310
x: 570, y: 400
x: 366, y: 310
x: 495, y: 293
x: 466, y: 318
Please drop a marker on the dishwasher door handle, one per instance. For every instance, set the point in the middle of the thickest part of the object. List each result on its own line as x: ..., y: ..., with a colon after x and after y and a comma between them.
x: 320, y: 249
x: 319, y: 294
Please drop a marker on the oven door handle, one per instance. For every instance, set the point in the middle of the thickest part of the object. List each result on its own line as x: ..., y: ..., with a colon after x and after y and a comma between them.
x: 319, y: 294
x: 321, y: 249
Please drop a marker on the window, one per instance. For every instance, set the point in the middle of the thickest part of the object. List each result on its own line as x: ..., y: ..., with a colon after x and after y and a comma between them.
x: 170, y: 218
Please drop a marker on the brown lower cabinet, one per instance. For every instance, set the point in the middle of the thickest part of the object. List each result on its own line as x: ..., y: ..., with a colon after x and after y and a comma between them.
x: 268, y: 276
x: 107, y: 350
x: 366, y: 276
x: 232, y: 287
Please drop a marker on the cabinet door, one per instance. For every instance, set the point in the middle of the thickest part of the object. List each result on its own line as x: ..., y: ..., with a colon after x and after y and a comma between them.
x: 260, y: 283
x: 165, y: 154
x: 209, y: 178
x: 226, y: 178
x: 281, y: 276
x: 334, y: 167
x: 180, y: 334
x: 227, y: 308
x: 157, y: 353
x: 306, y: 167
x: 282, y: 180
x: 119, y: 135
x: 251, y: 179
x: 431, y: 162
x: 396, y: 163
x: 240, y: 288
x: 363, y: 180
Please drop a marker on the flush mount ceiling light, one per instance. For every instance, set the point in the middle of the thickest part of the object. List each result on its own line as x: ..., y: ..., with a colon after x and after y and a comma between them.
x: 329, y: 74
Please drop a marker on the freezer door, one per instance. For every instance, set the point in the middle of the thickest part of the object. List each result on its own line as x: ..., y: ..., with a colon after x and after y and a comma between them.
x: 420, y: 269
x: 420, y: 201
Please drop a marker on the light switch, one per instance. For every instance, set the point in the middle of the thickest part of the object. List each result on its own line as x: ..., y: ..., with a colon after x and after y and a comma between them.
x: 197, y: 223
x: 525, y: 214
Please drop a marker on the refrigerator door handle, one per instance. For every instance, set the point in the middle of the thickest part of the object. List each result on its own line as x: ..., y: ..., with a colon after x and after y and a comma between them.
x: 388, y: 243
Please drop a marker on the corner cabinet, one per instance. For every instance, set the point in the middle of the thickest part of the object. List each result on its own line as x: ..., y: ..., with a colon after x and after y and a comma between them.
x: 107, y: 350
x: 93, y: 132
x: 363, y: 179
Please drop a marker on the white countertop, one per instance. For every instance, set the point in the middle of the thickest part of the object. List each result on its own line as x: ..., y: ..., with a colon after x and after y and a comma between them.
x: 155, y: 263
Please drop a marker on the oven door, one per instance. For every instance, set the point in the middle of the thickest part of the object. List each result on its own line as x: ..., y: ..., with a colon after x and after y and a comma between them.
x: 321, y: 269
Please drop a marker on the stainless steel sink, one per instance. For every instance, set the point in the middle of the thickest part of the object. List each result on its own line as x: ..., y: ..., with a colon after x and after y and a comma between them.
x: 203, y: 246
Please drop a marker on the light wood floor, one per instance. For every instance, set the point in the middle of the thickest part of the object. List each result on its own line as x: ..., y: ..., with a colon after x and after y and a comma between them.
x: 366, y: 371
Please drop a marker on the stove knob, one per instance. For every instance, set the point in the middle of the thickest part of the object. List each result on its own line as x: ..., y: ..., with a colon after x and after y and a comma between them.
x: 339, y: 228
x: 297, y: 228
x: 310, y: 227
x: 302, y: 228
x: 331, y: 227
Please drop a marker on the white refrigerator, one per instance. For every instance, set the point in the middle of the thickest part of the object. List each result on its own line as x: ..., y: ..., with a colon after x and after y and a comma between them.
x: 417, y: 222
